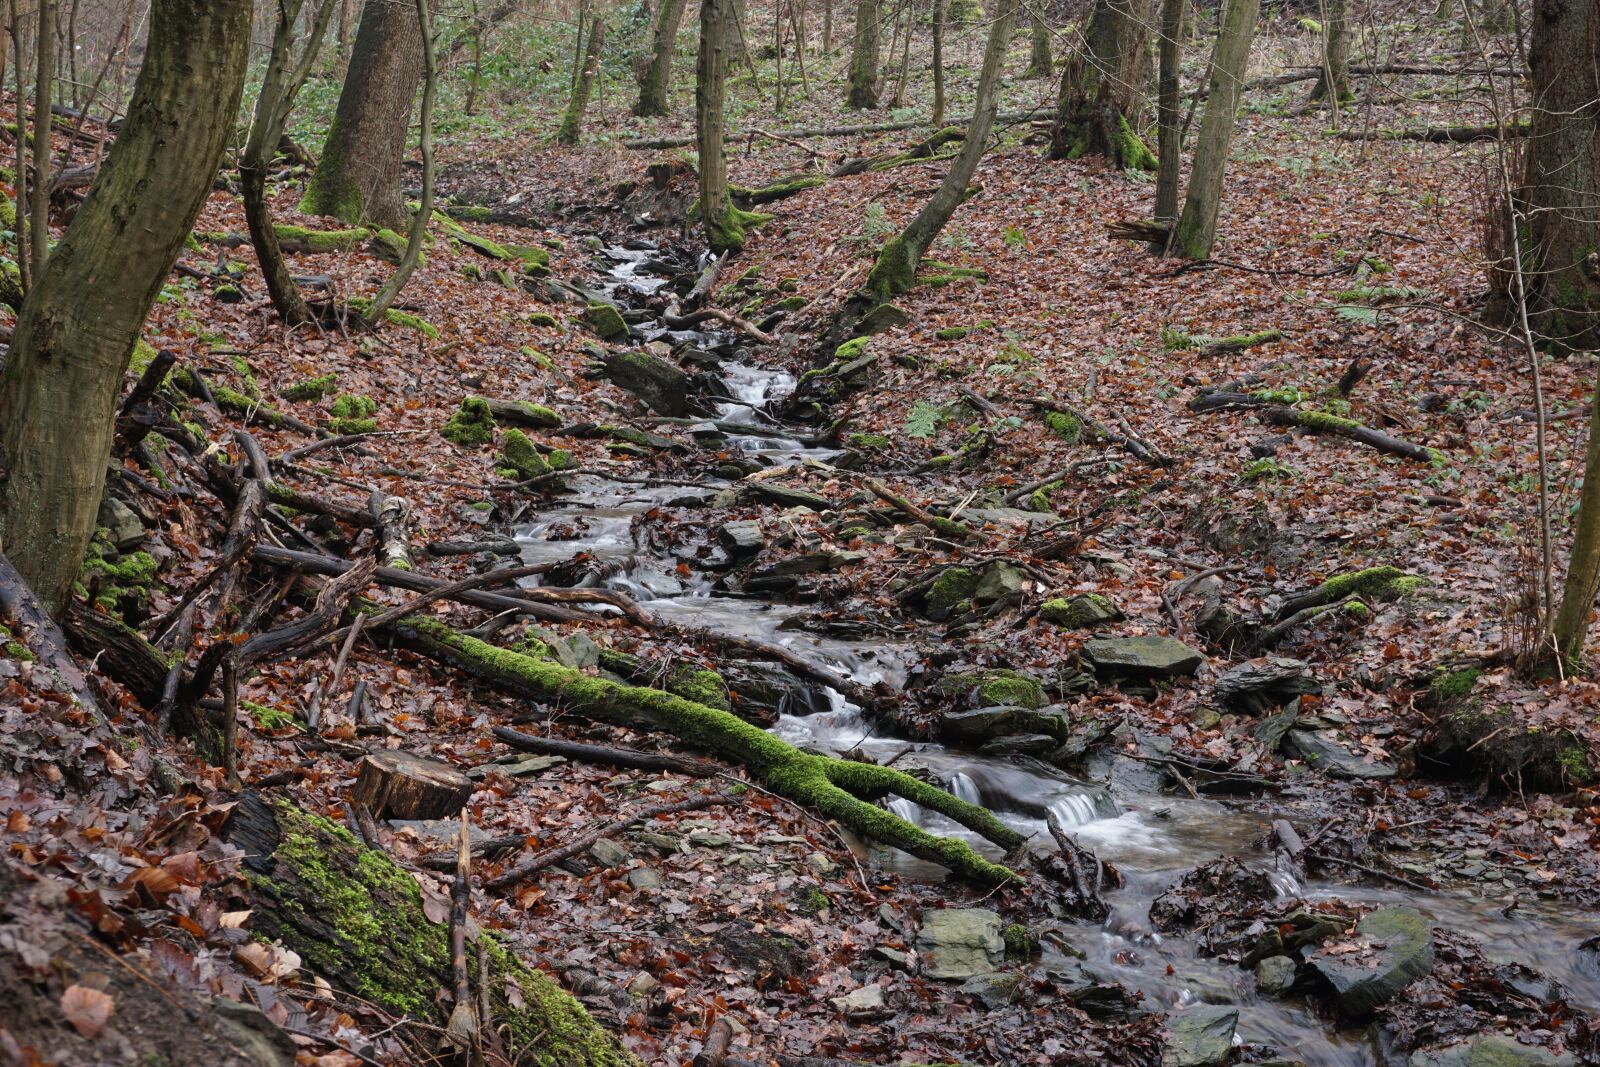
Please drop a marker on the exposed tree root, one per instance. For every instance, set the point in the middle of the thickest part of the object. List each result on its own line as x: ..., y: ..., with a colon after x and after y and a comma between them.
x: 839, y: 789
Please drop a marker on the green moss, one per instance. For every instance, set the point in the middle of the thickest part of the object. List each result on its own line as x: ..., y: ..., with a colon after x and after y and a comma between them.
x: 1374, y: 583
x: 1267, y: 469
x: 852, y: 348
x: 14, y: 648
x: 472, y: 425
x: 470, y: 212
x: 997, y: 686
x: 267, y: 718
x: 533, y: 260
x: 1129, y: 149
x: 1079, y: 611
x: 483, y: 246
x: 521, y: 457
x: 956, y: 333
x: 1286, y: 395
x: 390, y: 247
x: 1452, y: 685
x: 893, y: 271
x: 320, y: 240
x: 1385, y: 294
x: 777, y: 190
x: 701, y: 686
x: 868, y: 441
x: 953, y: 587
x: 114, y: 576
x: 1021, y: 942
x: 812, y: 901
x: 834, y: 788
x: 143, y: 354
x: 1065, y: 425
x: 311, y: 388
x: 352, y: 406
x: 412, y: 322
x: 606, y: 321
x: 1356, y: 609
x: 791, y: 303
x: 1575, y: 765
x: 728, y: 231
x: 542, y: 318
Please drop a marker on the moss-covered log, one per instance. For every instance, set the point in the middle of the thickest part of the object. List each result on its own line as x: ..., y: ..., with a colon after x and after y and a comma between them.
x: 839, y: 789
x: 1321, y: 422
x: 357, y: 920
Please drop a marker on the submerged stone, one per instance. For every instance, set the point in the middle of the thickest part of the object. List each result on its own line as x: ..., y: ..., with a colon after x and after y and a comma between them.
x: 1142, y: 657
x: 1201, y: 1036
x: 982, y: 724
x: 958, y: 943
x: 1491, y: 1050
x: 1397, y: 950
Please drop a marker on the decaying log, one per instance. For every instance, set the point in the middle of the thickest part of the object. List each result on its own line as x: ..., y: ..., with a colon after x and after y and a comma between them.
x: 394, y: 784
x: 393, y: 516
x: 836, y: 788
x: 517, y: 413
x: 31, y: 625
x: 117, y: 650
x: 609, y: 756
x: 358, y: 921
x: 1440, y: 134
x: 1320, y: 422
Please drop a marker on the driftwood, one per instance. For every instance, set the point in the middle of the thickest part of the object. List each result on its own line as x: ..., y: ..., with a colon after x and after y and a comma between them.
x: 394, y: 784
x: 609, y: 756
x: 595, y: 832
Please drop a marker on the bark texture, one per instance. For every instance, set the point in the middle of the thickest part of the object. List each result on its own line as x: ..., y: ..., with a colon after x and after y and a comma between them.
x: 655, y: 79
x: 1583, y: 567
x: 1560, y: 208
x: 1102, y: 88
x: 78, y: 325
x: 863, y: 83
x: 1169, y: 130
x: 724, y: 223
x: 1335, y: 55
x: 358, y: 176
x: 578, y: 103
x: 1041, y: 64
x: 1197, y: 226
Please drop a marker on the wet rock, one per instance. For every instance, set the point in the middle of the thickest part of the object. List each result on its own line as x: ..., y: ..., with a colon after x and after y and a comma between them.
x: 1020, y: 745
x: 1322, y: 750
x: 896, y: 959
x: 1201, y: 1036
x: 982, y: 724
x: 997, y: 687
x: 1274, y: 976
x: 1142, y: 657
x: 868, y: 1000
x: 784, y: 497
x: 608, y: 853
x: 1268, y: 682
x: 663, y: 386
x: 742, y: 538
x: 1080, y: 612
x: 951, y: 593
x: 1490, y: 1051
x: 1396, y: 948
x: 768, y: 689
x: 124, y: 524
x: 642, y: 985
x: 994, y: 990
x: 958, y: 943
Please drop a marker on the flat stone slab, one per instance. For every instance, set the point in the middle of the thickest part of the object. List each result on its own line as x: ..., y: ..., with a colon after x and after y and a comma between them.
x: 957, y: 943
x: 1390, y: 949
x: 1323, y: 751
x: 1491, y: 1051
x: 1142, y: 657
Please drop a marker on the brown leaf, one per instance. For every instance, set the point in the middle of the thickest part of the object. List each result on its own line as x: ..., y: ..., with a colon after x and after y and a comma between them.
x: 86, y: 1009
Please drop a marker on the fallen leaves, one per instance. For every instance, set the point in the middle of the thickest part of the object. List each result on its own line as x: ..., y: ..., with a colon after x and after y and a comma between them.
x: 87, y: 1009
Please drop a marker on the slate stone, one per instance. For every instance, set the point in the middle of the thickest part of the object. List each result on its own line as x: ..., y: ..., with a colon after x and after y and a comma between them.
x: 608, y: 853
x: 995, y: 990
x: 742, y: 538
x: 1399, y: 950
x: 124, y: 524
x: 983, y: 724
x: 868, y: 1000
x: 1260, y: 684
x: 644, y: 879
x: 1491, y: 1050
x: 1323, y: 751
x: 1274, y: 976
x: 957, y: 943
x: 1142, y: 657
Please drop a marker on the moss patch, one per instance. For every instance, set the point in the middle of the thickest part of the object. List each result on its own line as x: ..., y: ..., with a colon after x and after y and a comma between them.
x: 1065, y: 425
x: 472, y: 425
x: 606, y: 321
x: 311, y: 388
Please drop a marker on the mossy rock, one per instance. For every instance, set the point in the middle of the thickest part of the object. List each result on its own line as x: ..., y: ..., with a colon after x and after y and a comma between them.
x: 867, y: 442
x: 112, y: 577
x: 520, y: 457
x: 995, y: 687
x: 956, y: 333
x: 472, y: 425
x: 542, y: 318
x: 483, y: 246
x: 1065, y: 425
x: 1080, y: 611
x: 606, y: 321
x: 951, y: 593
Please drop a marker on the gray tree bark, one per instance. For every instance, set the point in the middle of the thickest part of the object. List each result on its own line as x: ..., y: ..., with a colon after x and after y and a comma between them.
x: 1197, y: 226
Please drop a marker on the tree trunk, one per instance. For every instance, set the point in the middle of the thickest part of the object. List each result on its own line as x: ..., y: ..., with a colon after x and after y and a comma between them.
x: 358, y: 177
x: 78, y: 325
x: 724, y: 223
x: 347, y: 25
x: 895, y: 270
x: 1169, y: 137
x: 1040, y: 62
x: 578, y: 103
x: 1335, y: 55
x: 359, y: 922
x: 43, y: 93
x: 827, y: 26
x: 941, y: 11
x: 1560, y: 198
x: 1583, y: 566
x: 280, y: 84
x: 655, y: 82
x: 863, y: 91
x: 1197, y: 226
x: 1102, y: 88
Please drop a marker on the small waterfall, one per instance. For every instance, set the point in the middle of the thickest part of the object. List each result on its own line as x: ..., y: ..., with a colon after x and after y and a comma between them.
x: 964, y: 788
x: 1075, y: 809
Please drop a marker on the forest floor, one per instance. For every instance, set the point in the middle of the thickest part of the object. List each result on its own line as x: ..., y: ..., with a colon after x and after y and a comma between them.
x: 1441, y: 779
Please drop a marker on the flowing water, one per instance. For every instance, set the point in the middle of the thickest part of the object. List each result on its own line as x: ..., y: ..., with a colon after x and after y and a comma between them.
x: 1151, y: 837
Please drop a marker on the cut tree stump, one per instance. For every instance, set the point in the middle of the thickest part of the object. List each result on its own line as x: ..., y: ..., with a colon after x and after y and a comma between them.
x: 403, y: 785
x: 359, y: 921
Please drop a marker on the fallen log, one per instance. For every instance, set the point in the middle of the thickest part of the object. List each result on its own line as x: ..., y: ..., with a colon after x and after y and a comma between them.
x: 358, y: 921
x: 595, y: 832
x: 118, y: 651
x: 836, y: 788
x: 392, y: 514
x: 1439, y: 134
x: 608, y: 755
x: 1320, y: 422
x: 808, y: 132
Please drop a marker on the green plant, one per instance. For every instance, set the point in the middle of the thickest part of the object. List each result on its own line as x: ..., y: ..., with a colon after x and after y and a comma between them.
x: 924, y: 419
x: 1014, y: 238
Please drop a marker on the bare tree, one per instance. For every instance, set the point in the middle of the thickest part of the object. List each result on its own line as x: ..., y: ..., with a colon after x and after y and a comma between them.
x: 655, y: 78
x: 1197, y: 226
x: 863, y: 90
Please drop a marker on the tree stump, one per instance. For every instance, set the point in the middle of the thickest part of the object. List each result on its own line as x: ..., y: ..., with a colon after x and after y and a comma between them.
x: 403, y: 785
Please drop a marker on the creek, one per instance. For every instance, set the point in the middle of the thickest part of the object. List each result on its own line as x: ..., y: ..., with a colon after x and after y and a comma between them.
x: 1152, y: 837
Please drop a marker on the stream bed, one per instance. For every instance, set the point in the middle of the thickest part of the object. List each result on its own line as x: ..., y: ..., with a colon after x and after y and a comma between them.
x: 1152, y: 837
